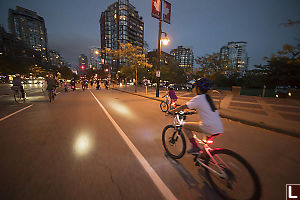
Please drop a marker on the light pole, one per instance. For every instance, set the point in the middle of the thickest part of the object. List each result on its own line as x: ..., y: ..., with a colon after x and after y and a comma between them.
x: 165, y: 41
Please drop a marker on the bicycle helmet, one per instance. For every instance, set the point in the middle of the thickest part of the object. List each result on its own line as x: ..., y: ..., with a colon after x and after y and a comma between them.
x: 203, y: 83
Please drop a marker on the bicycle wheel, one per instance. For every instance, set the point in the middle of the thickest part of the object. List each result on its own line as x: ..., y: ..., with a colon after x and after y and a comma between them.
x: 17, y: 97
x: 241, y: 181
x: 164, y: 106
x: 50, y: 95
x: 173, y: 142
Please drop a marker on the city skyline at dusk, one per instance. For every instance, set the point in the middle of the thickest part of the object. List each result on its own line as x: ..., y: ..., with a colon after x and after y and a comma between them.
x: 204, y: 26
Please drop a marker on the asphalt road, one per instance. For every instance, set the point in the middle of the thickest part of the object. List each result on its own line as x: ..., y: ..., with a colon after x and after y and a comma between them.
x: 71, y: 149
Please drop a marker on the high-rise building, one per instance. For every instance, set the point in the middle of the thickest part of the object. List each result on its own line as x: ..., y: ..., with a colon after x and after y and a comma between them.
x: 55, y: 58
x: 235, y: 56
x: 27, y: 26
x: 95, y: 57
x: 120, y: 23
x: 184, y: 56
x: 12, y: 47
x: 82, y: 63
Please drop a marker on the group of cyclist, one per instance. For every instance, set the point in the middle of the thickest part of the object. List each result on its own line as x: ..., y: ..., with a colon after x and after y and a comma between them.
x: 210, y: 124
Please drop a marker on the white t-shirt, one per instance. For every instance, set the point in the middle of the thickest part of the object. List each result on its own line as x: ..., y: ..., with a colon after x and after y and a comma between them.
x: 211, y: 121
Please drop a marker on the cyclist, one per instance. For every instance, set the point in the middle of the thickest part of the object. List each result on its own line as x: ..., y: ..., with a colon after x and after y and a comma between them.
x: 56, y: 85
x: 51, y: 83
x: 172, y: 96
x: 98, y: 84
x: 203, y: 104
x: 73, y: 83
x: 92, y: 82
x: 18, y: 82
x: 106, y: 84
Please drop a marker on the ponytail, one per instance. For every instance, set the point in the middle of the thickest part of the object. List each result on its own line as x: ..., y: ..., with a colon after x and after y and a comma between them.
x: 210, y: 102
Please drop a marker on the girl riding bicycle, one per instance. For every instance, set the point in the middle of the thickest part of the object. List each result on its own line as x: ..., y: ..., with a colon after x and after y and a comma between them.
x: 211, y: 122
x: 172, y: 96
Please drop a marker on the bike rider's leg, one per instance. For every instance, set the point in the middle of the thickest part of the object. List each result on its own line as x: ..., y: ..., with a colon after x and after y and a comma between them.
x: 22, y: 92
x: 187, y: 128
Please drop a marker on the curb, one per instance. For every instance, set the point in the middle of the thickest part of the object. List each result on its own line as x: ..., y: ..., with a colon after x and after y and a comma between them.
x: 137, y: 94
x: 264, y: 126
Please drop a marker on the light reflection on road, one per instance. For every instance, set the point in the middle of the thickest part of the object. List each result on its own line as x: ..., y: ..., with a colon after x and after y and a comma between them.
x: 121, y: 108
x: 82, y: 145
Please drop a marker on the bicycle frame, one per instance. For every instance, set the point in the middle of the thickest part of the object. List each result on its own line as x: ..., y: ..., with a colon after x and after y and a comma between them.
x: 215, y: 163
x: 178, y: 122
x: 167, y: 99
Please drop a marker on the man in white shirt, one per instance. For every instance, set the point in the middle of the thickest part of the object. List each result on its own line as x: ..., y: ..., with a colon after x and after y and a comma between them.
x: 211, y: 122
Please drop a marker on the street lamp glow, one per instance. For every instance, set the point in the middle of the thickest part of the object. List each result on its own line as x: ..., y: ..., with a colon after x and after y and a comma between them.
x: 96, y: 52
x: 165, y: 40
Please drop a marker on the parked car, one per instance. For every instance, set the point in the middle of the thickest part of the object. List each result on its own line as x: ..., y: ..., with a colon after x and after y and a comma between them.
x: 282, y: 91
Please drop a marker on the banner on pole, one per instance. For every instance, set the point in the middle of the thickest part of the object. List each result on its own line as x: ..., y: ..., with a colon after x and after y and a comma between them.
x: 167, y: 12
x: 156, y: 8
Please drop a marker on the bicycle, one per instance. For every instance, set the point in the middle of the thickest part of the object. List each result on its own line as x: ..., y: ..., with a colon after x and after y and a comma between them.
x: 222, y: 166
x: 51, y: 95
x: 18, y: 94
x: 166, y: 104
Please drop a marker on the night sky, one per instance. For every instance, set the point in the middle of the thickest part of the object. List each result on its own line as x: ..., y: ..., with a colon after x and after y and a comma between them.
x: 204, y: 25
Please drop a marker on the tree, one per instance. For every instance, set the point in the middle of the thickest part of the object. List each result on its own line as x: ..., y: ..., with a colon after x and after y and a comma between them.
x: 283, y: 68
x: 211, y: 65
x: 172, y: 72
x: 134, y: 58
x: 66, y: 72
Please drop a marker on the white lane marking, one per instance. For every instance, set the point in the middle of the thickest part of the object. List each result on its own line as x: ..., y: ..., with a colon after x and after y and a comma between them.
x: 162, y: 187
x: 3, y: 118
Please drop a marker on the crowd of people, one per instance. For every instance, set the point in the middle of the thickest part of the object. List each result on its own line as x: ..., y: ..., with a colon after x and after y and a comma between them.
x: 52, y: 83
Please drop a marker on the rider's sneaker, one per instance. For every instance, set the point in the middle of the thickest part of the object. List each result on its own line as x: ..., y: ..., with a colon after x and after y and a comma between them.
x: 194, y: 150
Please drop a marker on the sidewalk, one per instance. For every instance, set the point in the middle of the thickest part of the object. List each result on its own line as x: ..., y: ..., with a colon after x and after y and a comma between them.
x: 281, y: 115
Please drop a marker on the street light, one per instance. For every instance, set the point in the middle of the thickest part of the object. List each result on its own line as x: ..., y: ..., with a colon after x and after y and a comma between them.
x: 165, y: 40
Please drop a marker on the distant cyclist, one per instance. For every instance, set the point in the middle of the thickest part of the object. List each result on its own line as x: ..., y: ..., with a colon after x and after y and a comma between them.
x: 73, y: 83
x: 51, y: 83
x: 211, y: 122
x: 172, y: 95
x: 18, y: 82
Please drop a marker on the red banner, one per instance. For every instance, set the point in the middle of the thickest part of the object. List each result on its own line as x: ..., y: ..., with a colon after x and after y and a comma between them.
x: 156, y: 8
x: 166, y: 12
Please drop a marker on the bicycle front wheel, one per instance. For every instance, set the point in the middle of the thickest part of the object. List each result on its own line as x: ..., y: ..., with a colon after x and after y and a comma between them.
x: 240, y: 181
x: 164, y: 106
x: 18, y: 97
x: 50, y: 95
x: 173, y: 141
